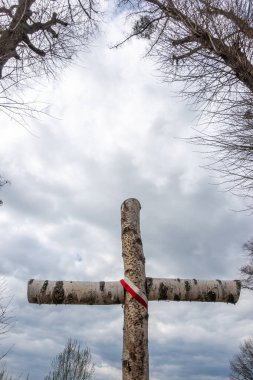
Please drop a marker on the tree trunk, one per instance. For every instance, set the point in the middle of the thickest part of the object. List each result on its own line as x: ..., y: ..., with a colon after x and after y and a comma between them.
x: 135, y: 364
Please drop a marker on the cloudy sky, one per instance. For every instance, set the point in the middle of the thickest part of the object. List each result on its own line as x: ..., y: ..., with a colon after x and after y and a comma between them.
x: 115, y: 132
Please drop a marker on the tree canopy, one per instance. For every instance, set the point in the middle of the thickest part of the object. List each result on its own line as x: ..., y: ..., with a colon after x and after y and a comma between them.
x: 207, y: 45
x: 242, y: 364
x: 37, y: 37
x: 73, y: 363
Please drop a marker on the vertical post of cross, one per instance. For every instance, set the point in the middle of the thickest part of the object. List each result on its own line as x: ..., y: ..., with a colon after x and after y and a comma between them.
x: 135, y: 361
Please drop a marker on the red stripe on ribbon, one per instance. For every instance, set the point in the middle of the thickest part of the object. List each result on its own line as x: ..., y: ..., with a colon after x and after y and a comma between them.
x: 133, y: 293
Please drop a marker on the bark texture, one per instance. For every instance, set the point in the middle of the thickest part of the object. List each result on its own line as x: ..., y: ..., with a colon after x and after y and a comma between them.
x: 110, y: 293
x: 193, y: 290
x: 135, y: 364
x: 75, y: 292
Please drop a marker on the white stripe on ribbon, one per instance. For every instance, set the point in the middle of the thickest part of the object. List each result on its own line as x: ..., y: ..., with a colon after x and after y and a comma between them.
x: 134, y: 291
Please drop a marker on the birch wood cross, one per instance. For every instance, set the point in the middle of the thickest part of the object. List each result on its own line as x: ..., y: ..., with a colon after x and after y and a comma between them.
x: 134, y: 292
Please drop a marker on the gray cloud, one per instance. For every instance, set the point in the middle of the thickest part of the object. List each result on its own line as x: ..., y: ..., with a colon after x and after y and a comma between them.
x: 116, y: 137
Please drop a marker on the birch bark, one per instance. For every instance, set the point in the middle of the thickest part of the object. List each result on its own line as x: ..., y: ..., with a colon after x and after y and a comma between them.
x: 177, y: 289
x: 112, y: 292
x: 135, y: 365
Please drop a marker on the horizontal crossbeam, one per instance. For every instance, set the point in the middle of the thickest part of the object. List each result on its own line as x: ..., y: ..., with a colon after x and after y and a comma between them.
x: 108, y: 293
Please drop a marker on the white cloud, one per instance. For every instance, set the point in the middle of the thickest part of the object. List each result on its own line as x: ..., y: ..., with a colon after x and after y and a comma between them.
x: 103, y: 371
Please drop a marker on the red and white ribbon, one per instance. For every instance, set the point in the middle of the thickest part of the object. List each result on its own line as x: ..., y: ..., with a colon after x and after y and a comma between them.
x: 135, y: 292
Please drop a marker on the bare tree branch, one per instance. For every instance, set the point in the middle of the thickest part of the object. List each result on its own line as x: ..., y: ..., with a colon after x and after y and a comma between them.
x: 74, y: 363
x: 37, y: 37
x: 247, y: 270
x: 242, y: 364
x: 2, y: 183
x: 207, y: 45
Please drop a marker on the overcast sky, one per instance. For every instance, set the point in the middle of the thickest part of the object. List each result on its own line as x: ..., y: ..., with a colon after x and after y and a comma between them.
x: 114, y: 134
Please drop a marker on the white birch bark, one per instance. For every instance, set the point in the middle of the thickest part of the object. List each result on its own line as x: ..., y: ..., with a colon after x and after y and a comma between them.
x: 135, y: 365
x: 110, y: 293
x: 165, y: 289
x: 75, y: 292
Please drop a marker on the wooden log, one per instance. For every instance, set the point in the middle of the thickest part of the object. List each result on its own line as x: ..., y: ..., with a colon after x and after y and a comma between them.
x: 135, y: 361
x: 109, y: 293
x: 193, y: 290
x: 75, y: 292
